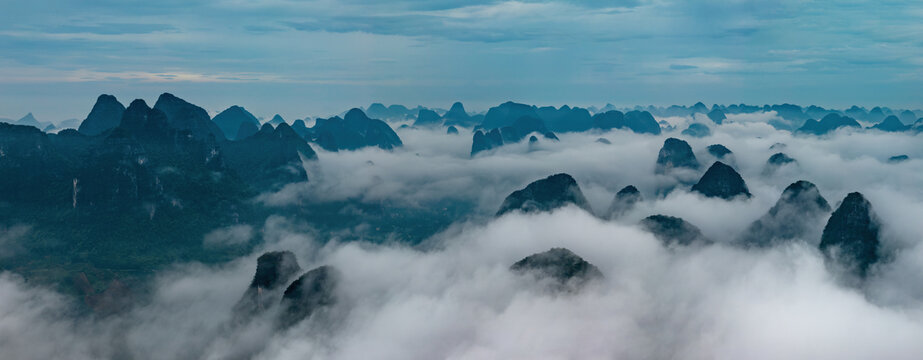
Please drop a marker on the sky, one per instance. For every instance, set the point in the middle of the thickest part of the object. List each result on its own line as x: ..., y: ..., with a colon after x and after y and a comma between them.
x: 317, y: 58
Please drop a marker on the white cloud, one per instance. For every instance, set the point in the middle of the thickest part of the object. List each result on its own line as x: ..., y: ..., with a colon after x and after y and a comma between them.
x: 459, y: 301
x: 232, y: 235
x: 453, y: 297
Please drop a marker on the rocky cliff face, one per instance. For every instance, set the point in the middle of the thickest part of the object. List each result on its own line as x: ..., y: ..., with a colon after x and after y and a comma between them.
x: 314, y: 291
x: 721, y: 181
x: 105, y: 115
x: 274, y: 272
x: 674, y: 231
x: 270, y: 158
x: 675, y: 153
x: 486, y: 141
x: 850, y: 238
x: 354, y: 131
x: 795, y: 215
x: 545, y: 195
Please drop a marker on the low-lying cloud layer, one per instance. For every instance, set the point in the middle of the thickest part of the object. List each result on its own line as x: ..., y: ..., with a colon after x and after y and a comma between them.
x: 460, y: 301
x: 433, y: 165
x: 454, y: 297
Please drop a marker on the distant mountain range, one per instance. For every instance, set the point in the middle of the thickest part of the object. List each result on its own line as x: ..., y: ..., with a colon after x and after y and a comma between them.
x: 143, y: 184
x: 132, y: 188
x: 562, y: 119
x: 504, y: 124
x: 29, y: 120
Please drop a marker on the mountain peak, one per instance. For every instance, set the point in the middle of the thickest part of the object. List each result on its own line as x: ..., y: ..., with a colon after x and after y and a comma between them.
x: 697, y: 130
x: 793, y: 216
x: 546, y: 194
x: 505, y: 114
x: 232, y: 120
x: 274, y: 270
x: 105, y: 115
x: 850, y: 237
x: 184, y: 116
x: 276, y: 120
x: 139, y: 118
x: 891, y: 124
x: 483, y: 141
x: 285, y: 131
x: 624, y: 201
x: 137, y: 105
x: 719, y: 151
x: 675, y: 153
x: 427, y: 117
x: 28, y: 117
x: 314, y: 290
x: 717, y: 116
x: 354, y: 131
x: 29, y: 120
x: 168, y: 99
x: 827, y: 124
x: 642, y: 122
x: 559, y: 264
x: 456, y: 115
x: 804, y: 190
x: 780, y: 158
x: 721, y: 180
x: 674, y: 231
x: 355, y: 114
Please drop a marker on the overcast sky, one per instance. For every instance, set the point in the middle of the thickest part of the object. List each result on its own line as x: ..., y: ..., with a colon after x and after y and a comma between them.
x: 315, y: 58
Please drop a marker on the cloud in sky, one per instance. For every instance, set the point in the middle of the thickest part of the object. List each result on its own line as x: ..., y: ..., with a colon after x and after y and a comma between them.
x: 319, y: 56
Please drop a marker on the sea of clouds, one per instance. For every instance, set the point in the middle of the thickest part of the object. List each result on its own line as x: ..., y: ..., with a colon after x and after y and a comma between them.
x: 453, y: 296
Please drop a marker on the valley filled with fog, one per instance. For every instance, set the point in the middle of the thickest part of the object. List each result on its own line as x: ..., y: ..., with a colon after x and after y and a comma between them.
x: 404, y: 246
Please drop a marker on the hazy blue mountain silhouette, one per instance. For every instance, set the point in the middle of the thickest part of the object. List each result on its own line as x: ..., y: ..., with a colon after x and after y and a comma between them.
x: 232, y: 120
x: 354, y: 131
x: 105, y: 115
x: 828, y: 124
